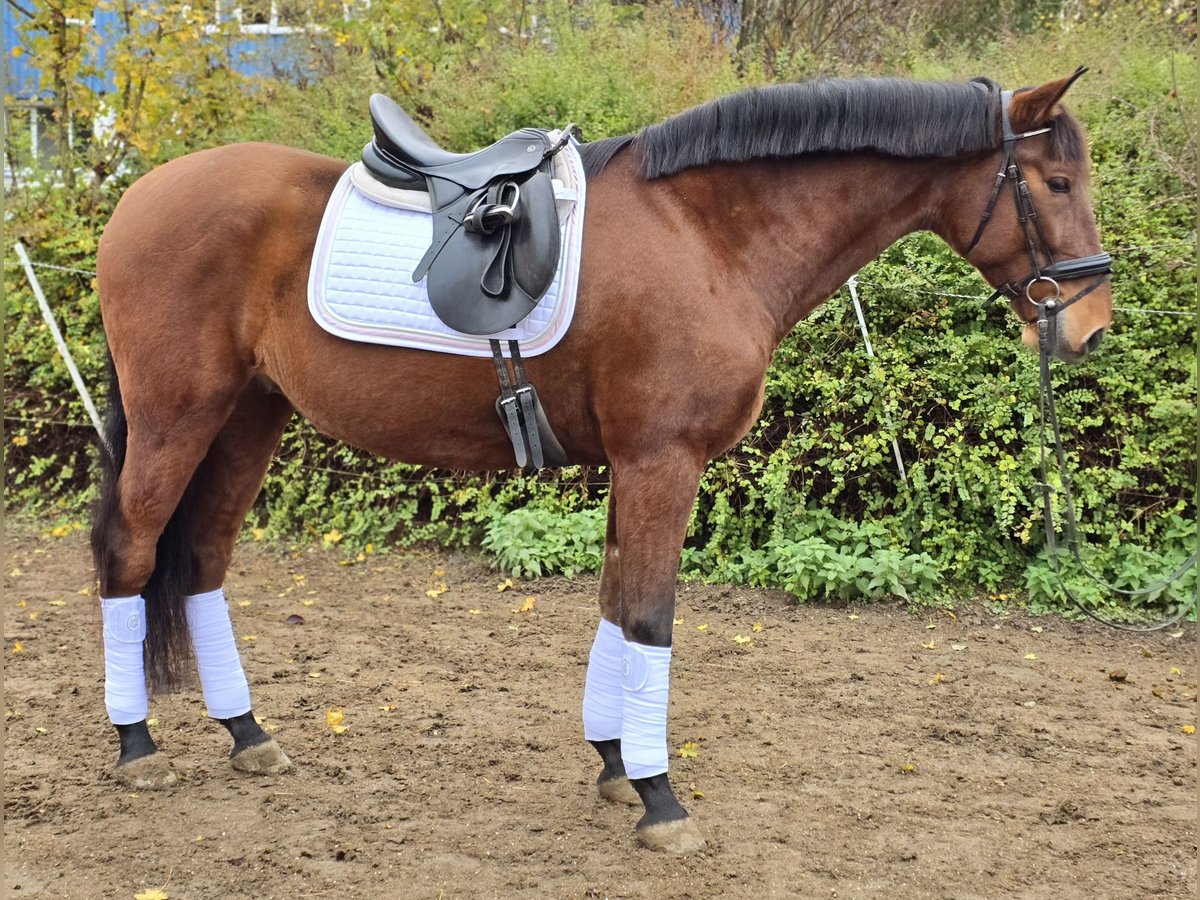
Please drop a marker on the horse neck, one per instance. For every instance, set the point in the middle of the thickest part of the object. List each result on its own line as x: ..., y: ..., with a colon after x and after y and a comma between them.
x: 797, y: 229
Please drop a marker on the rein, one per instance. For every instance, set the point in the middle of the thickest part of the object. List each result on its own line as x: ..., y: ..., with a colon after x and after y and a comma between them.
x: 1048, y: 414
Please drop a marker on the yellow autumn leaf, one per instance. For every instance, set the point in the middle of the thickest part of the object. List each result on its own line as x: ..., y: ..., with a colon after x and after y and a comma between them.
x: 689, y: 750
x: 439, y: 572
x: 370, y: 548
x: 333, y: 718
x: 1031, y: 656
x: 299, y: 578
x: 677, y: 621
x: 930, y: 646
x: 61, y: 531
x: 151, y: 722
x: 314, y: 674
x: 756, y: 627
x: 742, y: 639
x: 437, y: 590
x: 151, y: 894
x: 908, y: 768
x: 475, y: 612
x: 20, y: 604
x: 258, y: 533
x: 361, y: 557
x: 332, y: 536
x: 1188, y: 729
x: 1175, y: 671
x: 33, y: 614
x: 41, y: 730
x: 527, y: 606
x: 58, y: 602
x: 243, y: 603
x: 18, y: 647
x: 388, y: 708
x: 937, y: 679
x: 696, y: 795
x: 250, y: 637
x: 503, y: 586
x: 307, y: 602
x: 703, y: 627
x: 853, y: 617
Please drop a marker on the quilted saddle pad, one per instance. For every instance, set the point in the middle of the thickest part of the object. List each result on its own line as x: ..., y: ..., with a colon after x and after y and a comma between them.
x: 372, y: 237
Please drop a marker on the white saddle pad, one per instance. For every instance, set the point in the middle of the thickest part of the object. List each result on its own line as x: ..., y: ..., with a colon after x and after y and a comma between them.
x: 372, y: 236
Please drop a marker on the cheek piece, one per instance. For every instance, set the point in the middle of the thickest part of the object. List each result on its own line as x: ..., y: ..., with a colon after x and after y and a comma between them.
x: 124, y: 669
x: 645, y: 674
x: 603, y: 698
x: 226, y: 693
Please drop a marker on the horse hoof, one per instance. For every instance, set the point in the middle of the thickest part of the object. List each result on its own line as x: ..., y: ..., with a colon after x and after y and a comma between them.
x: 680, y: 836
x: 146, y: 773
x: 618, y: 790
x: 266, y: 758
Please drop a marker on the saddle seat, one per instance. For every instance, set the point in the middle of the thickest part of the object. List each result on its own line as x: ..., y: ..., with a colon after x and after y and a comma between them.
x: 402, y: 154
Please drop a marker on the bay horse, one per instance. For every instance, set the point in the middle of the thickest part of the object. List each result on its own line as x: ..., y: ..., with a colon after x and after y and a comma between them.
x: 708, y: 236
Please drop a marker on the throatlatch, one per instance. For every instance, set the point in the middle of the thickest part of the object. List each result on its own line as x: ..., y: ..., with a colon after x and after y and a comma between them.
x: 521, y: 412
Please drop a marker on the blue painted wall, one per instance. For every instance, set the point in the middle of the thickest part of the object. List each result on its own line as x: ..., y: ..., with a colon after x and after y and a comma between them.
x: 250, y: 54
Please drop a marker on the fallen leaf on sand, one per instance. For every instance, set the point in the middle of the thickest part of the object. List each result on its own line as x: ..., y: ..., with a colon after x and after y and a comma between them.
x: 937, y: 679
x: 689, y: 750
x: 333, y: 718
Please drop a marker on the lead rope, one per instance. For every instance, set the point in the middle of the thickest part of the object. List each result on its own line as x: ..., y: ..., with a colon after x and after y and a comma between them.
x: 1047, y: 413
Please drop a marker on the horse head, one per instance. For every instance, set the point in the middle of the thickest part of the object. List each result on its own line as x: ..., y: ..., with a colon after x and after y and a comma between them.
x: 1036, y: 240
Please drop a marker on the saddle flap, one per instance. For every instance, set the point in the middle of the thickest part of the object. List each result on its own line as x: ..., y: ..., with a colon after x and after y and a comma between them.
x: 535, y: 237
x: 486, y: 283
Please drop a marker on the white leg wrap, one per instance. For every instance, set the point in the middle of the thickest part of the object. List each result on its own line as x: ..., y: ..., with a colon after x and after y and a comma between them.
x: 602, y: 694
x: 124, y: 667
x: 645, y: 675
x: 226, y: 692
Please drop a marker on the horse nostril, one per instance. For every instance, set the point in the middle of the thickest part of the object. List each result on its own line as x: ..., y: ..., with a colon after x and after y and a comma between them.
x: 1093, y: 340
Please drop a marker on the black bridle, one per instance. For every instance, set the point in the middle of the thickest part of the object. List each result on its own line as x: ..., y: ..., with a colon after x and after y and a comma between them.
x: 1099, y: 264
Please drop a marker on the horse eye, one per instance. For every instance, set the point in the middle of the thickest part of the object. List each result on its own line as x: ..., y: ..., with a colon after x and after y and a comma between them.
x: 1059, y: 185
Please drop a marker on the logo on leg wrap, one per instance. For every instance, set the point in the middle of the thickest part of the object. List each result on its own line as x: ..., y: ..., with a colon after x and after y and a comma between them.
x: 125, y: 619
x: 635, y: 668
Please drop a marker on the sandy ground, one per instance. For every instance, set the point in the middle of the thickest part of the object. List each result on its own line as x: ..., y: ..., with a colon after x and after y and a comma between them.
x: 861, y: 751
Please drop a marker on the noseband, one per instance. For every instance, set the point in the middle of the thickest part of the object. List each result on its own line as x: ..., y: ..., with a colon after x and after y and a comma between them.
x: 1054, y: 271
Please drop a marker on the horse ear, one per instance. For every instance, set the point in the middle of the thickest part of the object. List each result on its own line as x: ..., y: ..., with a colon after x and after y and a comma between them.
x: 1034, y: 107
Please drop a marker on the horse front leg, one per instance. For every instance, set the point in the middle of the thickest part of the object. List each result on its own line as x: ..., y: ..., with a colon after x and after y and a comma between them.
x: 603, y: 697
x: 654, y: 503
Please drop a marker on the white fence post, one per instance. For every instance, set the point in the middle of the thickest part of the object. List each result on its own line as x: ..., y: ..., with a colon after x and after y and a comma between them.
x: 62, y: 344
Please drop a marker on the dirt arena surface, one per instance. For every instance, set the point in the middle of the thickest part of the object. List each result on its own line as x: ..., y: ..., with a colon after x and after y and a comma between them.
x: 840, y: 752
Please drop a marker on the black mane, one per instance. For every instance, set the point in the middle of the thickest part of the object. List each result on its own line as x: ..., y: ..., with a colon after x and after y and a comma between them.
x: 884, y: 115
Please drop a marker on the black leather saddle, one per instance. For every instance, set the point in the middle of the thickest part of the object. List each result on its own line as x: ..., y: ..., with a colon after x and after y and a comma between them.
x: 495, y: 225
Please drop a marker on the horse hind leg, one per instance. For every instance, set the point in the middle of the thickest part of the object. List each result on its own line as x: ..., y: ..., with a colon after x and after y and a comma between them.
x: 228, y: 481
x: 602, y: 695
x: 141, y: 542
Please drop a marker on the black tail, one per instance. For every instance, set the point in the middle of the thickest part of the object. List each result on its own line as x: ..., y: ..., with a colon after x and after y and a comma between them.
x: 168, y: 647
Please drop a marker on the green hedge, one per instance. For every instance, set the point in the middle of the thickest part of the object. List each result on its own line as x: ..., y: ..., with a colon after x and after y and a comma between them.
x: 810, y: 501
